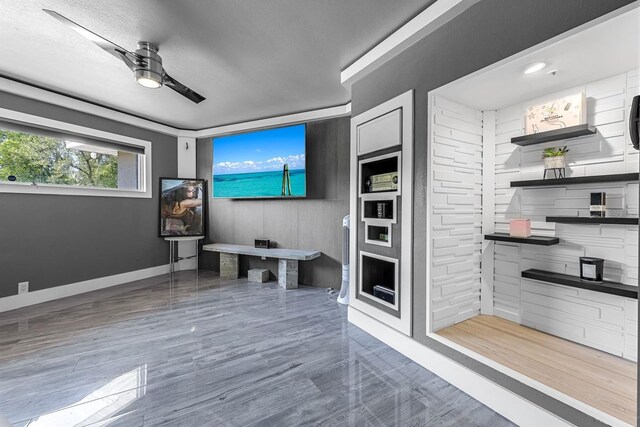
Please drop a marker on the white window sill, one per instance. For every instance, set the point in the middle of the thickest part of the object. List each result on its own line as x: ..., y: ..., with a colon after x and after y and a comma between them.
x: 62, y: 190
x: 68, y: 190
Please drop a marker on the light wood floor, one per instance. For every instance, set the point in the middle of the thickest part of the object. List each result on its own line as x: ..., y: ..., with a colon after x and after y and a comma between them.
x: 599, y: 379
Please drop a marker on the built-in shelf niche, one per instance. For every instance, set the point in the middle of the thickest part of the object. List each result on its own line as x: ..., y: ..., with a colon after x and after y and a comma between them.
x: 380, y: 174
x: 379, y: 278
x: 379, y: 209
x: 378, y: 235
x: 554, y: 135
x: 382, y: 143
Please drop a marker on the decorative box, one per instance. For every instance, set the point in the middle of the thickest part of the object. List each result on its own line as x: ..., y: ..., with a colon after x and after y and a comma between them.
x: 591, y: 269
x: 262, y: 243
x: 520, y: 227
x: 258, y: 275
x: 598, y: 206
x: 556, y: 114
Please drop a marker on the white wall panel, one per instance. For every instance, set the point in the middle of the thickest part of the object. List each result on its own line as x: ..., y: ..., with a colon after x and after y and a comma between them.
x: 382, y: 132
x: 583, y: 316
x: 456, y: 217
x: 599, y: 320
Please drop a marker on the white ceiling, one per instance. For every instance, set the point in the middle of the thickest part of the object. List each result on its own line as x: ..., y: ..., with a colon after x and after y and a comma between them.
x: 251, y: 59
x: 603, y: 50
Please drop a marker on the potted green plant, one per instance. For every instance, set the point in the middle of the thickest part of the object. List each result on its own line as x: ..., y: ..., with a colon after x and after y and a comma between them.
x: 554, y: 157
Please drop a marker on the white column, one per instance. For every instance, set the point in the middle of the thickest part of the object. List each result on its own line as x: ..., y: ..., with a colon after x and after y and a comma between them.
x: 488, y: 208
x: 187, y: 169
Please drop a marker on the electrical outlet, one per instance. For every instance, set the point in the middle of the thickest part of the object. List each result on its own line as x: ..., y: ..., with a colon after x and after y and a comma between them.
x: 23, y: 287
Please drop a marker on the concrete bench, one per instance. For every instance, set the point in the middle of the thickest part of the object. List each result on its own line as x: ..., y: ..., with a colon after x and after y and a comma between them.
x: 287, y: 260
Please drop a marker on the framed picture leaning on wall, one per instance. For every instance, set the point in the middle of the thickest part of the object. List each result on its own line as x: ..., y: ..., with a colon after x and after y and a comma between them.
x: 182, y: 207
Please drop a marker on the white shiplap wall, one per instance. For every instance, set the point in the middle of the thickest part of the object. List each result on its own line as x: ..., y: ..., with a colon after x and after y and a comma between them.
x: 603, y: 321
x: 456, y: 216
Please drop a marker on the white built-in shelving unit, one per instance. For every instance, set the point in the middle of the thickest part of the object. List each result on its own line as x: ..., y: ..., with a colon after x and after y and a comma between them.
x: 382, y: 149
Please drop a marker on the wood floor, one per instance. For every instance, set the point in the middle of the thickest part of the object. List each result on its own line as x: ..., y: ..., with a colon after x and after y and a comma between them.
x: 599, y: 379
x: 219, y: 353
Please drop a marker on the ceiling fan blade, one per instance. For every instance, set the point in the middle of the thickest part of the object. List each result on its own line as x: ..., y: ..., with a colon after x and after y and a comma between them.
x: 105, y: 44
x: 181, y: 89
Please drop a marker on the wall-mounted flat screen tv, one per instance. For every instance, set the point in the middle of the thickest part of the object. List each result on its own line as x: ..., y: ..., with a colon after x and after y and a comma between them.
x: 182, y: 207
x: 261, y: 164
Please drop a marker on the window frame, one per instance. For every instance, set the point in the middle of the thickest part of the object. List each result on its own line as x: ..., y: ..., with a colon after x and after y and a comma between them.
x: 145, y: 175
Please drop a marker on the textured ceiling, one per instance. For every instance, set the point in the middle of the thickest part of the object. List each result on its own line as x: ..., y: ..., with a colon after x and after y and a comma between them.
x: 251, y: 59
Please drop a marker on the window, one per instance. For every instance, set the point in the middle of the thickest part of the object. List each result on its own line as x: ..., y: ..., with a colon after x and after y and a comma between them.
x: 50, y: 157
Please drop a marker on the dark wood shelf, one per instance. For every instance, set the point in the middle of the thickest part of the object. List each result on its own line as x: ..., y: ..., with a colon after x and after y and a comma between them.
x: 607, y: 287
x: 592, y: 220
x: 533, y: 240
x: 554, y: 135
x: 619, y: 177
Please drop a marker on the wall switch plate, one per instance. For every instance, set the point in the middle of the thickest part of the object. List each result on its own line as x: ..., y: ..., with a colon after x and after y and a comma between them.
x: 23, y: 287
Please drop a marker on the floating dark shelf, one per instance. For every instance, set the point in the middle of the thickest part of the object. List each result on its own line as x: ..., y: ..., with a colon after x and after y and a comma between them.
x: 533, y: 240
x: 554, y: 135
x: 613, y: 288
x: 619, y: 177
x: 589, y: 220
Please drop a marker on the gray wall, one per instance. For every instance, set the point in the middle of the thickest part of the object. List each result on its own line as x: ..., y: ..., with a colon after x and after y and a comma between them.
x: 488, y: 32
x: 311, y: 223
x: 53, y: 240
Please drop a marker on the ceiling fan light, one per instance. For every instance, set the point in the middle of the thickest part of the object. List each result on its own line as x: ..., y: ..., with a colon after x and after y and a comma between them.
x: 148, y: 79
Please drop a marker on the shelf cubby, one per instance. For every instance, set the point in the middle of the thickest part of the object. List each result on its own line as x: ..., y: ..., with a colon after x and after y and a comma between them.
x: 533, y: 240
x: 597, y: 179
x: 387, y: 164
x: 378, y: 209
x: 372, y: 213
x: 554, y: 135
x: 592, y: 220
x: 379, y: 278
x: 378, y: 235
x: 607, y: 287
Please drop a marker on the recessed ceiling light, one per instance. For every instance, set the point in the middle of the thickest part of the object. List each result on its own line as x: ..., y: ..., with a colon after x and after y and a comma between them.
x: 536, y: 66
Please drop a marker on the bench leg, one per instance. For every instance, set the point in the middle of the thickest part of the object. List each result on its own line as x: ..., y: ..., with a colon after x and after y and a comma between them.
x: 288, y: 273
x: 228, y: 266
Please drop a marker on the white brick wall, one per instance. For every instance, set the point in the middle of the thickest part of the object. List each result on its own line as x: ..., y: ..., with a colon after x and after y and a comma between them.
x: 599, y: 320
x: 456, y: 220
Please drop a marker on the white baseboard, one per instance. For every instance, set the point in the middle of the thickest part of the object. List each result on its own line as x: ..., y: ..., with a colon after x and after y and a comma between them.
x: 36, y: 297
x: 506, y: 403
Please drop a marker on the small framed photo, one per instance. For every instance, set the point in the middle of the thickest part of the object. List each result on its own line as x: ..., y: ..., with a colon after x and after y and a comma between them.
x: 182, y: 207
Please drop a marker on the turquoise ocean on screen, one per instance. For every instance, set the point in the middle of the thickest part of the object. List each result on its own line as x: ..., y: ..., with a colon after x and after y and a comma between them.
x: 258, y: 184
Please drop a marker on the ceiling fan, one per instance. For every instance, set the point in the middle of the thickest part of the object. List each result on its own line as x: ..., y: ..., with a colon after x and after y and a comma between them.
x: 145, y: 62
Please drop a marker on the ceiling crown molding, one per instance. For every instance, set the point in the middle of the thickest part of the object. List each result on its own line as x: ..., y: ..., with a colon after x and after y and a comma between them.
x: 303, y: 117
x: 39, y: 94
x: 419, y: 27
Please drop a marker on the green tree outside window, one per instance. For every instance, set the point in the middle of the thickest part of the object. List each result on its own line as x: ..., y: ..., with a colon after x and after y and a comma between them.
x: 45, y: 160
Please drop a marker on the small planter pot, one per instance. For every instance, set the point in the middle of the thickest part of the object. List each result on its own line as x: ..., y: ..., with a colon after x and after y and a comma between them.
x: 554, y: 162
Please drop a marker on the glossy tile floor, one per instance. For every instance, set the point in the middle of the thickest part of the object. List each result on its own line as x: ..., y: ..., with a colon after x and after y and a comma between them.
x: 216, y: 353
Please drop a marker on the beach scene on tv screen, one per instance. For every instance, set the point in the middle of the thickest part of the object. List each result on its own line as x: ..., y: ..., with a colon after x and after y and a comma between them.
x: 267, y: 163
